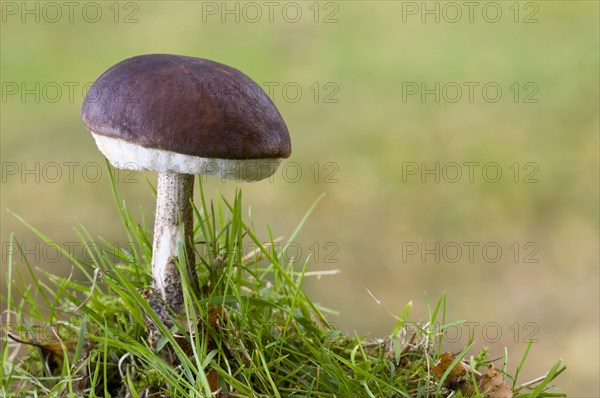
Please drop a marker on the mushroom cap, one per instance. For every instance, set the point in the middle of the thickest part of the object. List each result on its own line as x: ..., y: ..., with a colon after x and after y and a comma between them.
x: 172, y: 113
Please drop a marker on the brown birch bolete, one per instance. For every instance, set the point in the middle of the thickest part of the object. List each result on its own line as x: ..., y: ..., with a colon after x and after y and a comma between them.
x: 182, y: 116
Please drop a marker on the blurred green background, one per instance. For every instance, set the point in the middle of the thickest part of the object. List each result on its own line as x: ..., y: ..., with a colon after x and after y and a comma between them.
x: 339, y: 73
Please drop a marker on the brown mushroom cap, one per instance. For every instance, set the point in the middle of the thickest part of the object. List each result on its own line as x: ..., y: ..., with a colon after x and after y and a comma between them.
x: 184, y: 105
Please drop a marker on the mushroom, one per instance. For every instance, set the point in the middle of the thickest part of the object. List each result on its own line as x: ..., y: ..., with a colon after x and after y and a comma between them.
x: 182, y: 116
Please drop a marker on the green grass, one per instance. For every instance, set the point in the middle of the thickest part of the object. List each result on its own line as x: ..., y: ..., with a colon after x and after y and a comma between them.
x: 368, y: 134
x: 250, y: 332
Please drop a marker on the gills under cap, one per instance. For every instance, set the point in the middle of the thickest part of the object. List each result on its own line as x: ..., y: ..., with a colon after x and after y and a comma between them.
x: 171, y: 113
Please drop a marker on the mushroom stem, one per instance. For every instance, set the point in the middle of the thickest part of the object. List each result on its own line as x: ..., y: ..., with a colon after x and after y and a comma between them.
x: 173, y: 215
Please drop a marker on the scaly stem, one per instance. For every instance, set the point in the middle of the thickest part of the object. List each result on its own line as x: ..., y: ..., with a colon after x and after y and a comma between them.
x: 173, y: 208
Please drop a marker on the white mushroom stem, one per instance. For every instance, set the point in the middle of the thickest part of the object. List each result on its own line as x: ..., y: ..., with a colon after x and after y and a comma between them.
x: 174, y: 216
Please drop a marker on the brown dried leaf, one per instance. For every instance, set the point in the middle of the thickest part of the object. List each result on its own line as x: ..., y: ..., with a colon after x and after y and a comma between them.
x: 213, y: 381
x: 459, y: 378
x: 52, y: 351
x: 459, y: 370
x: 492, y: 384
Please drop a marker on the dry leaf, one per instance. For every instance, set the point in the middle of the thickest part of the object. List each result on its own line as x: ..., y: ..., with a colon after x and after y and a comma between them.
x: 52, y: 351
x: 458, y: 371
x: 213, y: 381
x: 492, y: 384
x: 459, y: 378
